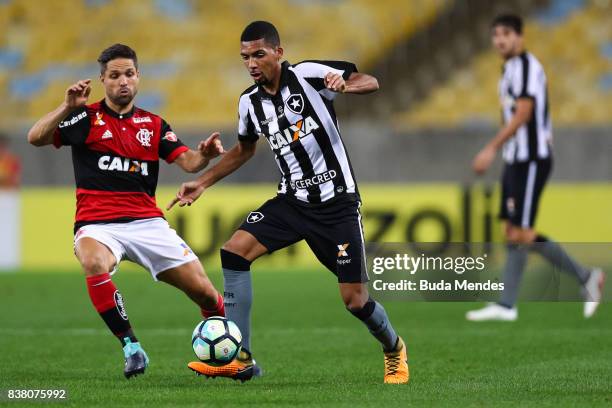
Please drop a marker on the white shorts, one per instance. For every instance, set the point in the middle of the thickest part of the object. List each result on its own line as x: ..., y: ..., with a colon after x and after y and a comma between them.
x: 150, y: 243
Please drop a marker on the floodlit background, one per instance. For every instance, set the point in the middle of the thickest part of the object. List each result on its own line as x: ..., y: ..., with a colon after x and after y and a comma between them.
x: 411, y: 145
x: 437, y: 105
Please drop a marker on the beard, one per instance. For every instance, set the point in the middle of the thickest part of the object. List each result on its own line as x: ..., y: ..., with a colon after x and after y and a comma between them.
x: 122, y: 100
x: 262, y: 81
x: 505, y: 53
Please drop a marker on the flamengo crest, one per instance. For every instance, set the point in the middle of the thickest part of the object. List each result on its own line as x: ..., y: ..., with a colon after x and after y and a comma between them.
x: 144, y: 137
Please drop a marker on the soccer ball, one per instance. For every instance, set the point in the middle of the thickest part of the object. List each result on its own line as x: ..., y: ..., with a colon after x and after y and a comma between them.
x: 216, y: 341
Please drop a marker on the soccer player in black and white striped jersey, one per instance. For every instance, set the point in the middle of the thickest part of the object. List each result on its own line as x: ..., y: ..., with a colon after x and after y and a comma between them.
x: 291, y: 107
x: 525, y: 138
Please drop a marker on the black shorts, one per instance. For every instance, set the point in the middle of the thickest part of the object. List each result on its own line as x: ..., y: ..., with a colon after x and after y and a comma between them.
x: 522, y: 185
x: 332, y: 231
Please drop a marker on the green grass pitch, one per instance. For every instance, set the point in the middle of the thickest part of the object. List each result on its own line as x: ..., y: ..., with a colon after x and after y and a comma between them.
x: 314, y: 353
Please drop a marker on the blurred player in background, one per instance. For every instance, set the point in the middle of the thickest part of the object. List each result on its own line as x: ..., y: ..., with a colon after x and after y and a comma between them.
x: 10, y: 205
x: 526, y: 138
x: 116, y: 148
x: 10, y: 166
x: 291, y: 106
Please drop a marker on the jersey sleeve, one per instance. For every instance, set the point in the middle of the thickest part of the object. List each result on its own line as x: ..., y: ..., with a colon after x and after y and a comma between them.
x: 246, y: 127
x: 73, y: 130
x: 314, y: 73
x: 170, y: 146
x: 526, y: 78
x: 318, y: 69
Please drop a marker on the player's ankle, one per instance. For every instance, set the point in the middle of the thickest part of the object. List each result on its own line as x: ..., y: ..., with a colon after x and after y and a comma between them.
x: 126, y: 337
x: 505, y: 305
x: 218, y: 309
x: 244, y: 355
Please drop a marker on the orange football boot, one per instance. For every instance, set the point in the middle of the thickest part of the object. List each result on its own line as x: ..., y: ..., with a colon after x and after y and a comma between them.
x: 396, y: 364
x: 242, y: 368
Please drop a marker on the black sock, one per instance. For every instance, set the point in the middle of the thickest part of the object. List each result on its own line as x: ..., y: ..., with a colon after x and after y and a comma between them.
x: 121, y: 328
x: 110, y: 305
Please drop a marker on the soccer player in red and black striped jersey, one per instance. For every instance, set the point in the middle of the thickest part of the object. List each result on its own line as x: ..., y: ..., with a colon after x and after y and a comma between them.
x: 116, y: 149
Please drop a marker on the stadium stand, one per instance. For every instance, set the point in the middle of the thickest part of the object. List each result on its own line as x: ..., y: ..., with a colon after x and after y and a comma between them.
x: 188, y: 49
x: 573, y: 40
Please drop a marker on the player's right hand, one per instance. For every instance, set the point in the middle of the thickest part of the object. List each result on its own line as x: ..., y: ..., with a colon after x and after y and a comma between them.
x: 484, y: 159
x: 335, y: 82
x: 188, y: 193
x: 77, y: 94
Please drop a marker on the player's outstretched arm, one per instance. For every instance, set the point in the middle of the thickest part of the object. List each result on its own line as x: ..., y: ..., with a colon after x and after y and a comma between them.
x: 357, y: 83
x: 231, y: 161
x: 484, y: 158
x: 194, y: 161
x: 41, y: 133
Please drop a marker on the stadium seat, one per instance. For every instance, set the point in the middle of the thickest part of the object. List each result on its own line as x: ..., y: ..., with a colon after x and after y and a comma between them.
x: 188, y: 50
x: 576, y: 74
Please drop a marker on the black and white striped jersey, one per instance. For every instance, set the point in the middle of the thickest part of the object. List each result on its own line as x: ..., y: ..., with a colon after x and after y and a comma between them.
x: 300, y: 125
x: 523, y: 77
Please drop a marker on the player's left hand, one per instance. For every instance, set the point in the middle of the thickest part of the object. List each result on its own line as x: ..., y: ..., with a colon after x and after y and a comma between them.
x: 335, y: 82
x: 188, y: 193
x: 211, y: 147
x: 484, y: 159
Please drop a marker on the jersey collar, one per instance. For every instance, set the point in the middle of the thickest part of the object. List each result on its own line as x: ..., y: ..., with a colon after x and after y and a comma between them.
x: 283, y: 80
x: 115, y: 114
x: 521, y: 55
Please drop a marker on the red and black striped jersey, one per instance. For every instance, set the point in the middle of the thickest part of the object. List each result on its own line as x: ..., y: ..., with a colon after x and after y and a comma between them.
x: 116, y: 161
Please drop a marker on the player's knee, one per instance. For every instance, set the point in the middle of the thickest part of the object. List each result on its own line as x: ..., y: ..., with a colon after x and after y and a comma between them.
x: 515, y: 235
x: 511, y: 237
x: 364, y: 310
x: 243, y: 248
x: 245, y: 245
x: 236, y: 247
x: 354, y: 300
x: 234, y: 261
x: 95, y: 264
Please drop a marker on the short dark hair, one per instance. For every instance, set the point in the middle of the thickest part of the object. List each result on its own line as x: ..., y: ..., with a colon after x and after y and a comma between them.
x: 116, y: 51
x: 509, y: 20
x: 261, y: 29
